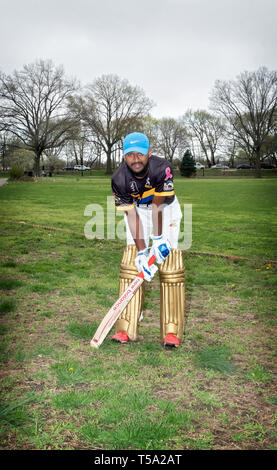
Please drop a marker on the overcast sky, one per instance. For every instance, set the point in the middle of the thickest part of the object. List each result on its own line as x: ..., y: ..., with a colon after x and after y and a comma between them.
x: 173, y: 49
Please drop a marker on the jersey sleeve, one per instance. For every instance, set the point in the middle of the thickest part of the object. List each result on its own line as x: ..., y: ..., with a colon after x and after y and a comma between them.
x: 164, y: 184
x: 122, y: 200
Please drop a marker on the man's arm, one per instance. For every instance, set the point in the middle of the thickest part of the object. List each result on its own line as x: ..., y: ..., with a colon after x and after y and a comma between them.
x: 142, y: 258
x: 160, y: 246
x: 136, y: 228
x: 157, y: 214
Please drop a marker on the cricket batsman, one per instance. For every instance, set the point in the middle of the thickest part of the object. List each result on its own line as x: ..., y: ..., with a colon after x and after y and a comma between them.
x: 143, y: 188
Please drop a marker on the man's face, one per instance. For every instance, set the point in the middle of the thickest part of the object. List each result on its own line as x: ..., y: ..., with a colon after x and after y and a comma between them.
x: 137, y: 161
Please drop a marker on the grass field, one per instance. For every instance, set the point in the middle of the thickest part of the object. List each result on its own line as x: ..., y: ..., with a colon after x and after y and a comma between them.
x: 217, y: 391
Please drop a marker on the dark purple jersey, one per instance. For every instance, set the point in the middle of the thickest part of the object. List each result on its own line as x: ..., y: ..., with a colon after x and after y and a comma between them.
x: 129, y: 190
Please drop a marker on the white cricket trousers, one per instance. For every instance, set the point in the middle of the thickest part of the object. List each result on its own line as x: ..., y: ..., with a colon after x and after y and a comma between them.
x: 172, y: 216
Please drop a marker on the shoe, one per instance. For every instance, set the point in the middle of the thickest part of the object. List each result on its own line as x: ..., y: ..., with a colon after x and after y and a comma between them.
x: 121, y: 337
x: 171, y: 341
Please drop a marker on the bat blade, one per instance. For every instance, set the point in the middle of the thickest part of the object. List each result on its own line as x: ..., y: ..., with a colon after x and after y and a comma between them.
x: 117, y: 308
x: 115, y: 311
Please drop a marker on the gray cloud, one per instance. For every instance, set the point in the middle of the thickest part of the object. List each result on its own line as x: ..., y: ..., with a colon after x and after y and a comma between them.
x: 173, y: 49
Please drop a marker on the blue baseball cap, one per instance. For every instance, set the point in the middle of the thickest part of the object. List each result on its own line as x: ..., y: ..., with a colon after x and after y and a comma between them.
x: 136, y: 142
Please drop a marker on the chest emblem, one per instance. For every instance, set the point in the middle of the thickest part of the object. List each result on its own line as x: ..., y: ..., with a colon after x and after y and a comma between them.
x: 134, y: 187
x: 148, y: 183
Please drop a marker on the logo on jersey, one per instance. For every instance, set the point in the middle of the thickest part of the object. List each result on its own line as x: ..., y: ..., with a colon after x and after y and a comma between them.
x: 168, y: 186
x: 133, y: 186
x: 148, y: 183
x: 168, y: 173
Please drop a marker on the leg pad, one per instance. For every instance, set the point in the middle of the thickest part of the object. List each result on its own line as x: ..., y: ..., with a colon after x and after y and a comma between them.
x: 128, y: 321
x: 172, y: 295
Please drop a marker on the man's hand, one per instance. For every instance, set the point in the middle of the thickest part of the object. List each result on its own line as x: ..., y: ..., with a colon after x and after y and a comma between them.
x: 160, y: 248
x: 141, y: 262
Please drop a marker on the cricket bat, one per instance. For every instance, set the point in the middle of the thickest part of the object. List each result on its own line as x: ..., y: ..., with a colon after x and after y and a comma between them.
x: 117, y: 308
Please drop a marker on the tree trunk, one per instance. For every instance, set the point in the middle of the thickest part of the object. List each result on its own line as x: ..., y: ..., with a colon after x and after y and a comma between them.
x: 37, y: 164
x: 258, y: 173
x: 109, y: 170
x: 212, y: 158
x: 208, y: 161
x: 232, y: 161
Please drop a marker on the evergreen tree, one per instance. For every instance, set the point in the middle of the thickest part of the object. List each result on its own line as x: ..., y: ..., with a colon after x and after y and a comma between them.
x: 187, y: 167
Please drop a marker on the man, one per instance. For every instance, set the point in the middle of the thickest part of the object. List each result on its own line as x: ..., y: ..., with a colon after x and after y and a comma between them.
x: 143, y: 188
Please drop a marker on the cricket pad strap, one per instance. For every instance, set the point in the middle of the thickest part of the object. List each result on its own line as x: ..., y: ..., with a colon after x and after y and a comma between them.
x: 128, y: 320
x: 172, y: 295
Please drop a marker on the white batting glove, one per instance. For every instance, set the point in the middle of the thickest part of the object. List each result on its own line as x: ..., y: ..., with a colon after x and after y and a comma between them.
x: 141, y: 262
x: 160, y: 248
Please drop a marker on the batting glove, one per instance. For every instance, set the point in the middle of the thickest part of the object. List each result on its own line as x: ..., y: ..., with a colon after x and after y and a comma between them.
x: 141, y: 262
x: 160, y: 248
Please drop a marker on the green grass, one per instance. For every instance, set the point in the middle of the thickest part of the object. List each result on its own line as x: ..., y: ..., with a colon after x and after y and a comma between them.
x: 259, y: 373
x: 9, y: 284
x: 216, y: 358
x: 82, y: 330
x: 7, y: 306
x: 217, y: 391
x: 13, y: 414
x: 233, y: 216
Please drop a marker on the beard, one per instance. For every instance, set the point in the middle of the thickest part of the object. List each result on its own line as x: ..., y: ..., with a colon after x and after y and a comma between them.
x: 140, y: 173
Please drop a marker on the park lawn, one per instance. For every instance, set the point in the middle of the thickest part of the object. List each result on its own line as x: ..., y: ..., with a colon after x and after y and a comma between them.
x: 233, y: 216
x: 217, y: 391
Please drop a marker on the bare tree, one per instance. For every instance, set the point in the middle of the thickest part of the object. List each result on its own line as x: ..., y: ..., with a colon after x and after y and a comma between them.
x: 249, y: 103
x: 270, y: 148
x: 110, y: 109
x: 230, y: 148
x: 51, y: 160
x: 150, y: 128
x: 4, y: 139
x: 33, y: 107
x: 207, y: 129
x: 81, y: 146
x: 172, y: 135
